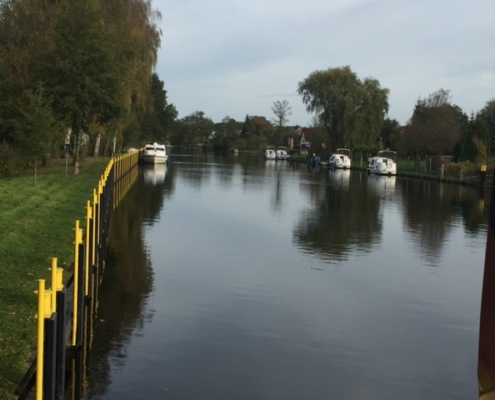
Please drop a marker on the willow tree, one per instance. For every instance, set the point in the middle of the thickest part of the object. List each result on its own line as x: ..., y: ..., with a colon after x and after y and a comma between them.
x: 351, y: 110
x: 135, y: 39
x: 26, y: 35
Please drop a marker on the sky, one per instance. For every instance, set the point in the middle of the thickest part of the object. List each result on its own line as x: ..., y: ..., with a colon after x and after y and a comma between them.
x: 237, y: 57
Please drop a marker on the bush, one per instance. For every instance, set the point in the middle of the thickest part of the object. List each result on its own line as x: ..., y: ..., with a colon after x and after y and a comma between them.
x: 11, y: 163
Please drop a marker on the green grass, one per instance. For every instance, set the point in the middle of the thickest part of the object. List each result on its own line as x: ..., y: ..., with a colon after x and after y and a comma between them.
x: 36, y: 224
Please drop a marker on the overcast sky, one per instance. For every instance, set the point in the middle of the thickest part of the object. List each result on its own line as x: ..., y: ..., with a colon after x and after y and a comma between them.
x: 237, y: 57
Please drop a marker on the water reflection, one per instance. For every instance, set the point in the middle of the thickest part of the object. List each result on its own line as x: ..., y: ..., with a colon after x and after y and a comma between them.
x: 338, y: 221
x: 127, y: 283
x: 154, y: 174
x: 250, y: 280
x: 383, y: 186
x: 340, y: 177
x: 431, y: 211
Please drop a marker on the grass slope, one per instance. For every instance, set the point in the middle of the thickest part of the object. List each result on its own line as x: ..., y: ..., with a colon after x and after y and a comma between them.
x: 36, y: 224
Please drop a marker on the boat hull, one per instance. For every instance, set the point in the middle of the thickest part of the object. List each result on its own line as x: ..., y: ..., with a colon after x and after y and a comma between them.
x: 154, y: 153
x: 154, y: 159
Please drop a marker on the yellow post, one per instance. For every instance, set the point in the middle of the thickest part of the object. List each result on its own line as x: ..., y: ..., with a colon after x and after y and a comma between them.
x: 88, y: 238
x: 54, y: 284
x: 41, y: 334
x: 60, y: 279
x: 483, y: 168
x: 77, y: 240
x: 93, y: 234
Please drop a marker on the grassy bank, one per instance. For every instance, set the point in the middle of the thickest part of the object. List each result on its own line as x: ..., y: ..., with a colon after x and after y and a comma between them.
x: 36, y: 224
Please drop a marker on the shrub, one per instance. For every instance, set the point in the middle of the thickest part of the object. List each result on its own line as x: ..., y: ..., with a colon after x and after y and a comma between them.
x: 11, y: 163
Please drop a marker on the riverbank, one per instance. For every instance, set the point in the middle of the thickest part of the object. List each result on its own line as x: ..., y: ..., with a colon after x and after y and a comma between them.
x: 36, y: 224
x: 472, y: 178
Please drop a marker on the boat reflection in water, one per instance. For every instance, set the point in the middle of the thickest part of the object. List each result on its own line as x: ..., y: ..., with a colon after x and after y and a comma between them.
x: 381, y: 184
x: 270, y: 164
x: 154, y: 174
x: 340, y: 177
x: 486, y: 351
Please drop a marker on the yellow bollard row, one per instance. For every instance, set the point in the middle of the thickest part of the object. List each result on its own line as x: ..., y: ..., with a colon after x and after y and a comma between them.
x: 47, y: 298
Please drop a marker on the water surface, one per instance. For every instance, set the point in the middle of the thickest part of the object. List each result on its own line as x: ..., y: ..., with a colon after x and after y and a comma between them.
x: 235, y: 278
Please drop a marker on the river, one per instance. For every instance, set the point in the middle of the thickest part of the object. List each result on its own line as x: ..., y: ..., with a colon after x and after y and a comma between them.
x: 229, y: 277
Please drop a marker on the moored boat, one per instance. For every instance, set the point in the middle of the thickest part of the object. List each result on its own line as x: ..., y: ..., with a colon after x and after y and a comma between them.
x: 282, y: 153
x: 385, y: 163
x: 154, y: 153
x: 270, y: 153
x: 340, y: 160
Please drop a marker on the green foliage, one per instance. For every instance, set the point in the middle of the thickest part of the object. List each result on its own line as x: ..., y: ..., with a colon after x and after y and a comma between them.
x: 10, y: 92
x: 95, y: 60
x: 159, y: 117
x: 435, y: 126
x: 475, y: 140
x: 258, y: 132
x: 11, y: 164
x: 227, y: 135
x: 389, y: 134
x: 193, y: 131
x: 78, y: 72
x: 351, y: 110
x: 38, y: 131
x: 487, y: 114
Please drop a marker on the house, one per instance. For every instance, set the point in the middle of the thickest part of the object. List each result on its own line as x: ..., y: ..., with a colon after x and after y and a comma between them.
x: 305, y: 140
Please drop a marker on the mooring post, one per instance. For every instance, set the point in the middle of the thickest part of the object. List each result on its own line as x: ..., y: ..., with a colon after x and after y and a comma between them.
x: 486, y: 350
x: 482, y: 175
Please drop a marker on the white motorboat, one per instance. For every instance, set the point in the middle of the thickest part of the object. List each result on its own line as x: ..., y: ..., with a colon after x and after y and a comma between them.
x: 154, y: 153
x: 270, y: 153
x: 385, y: 163
x: 282, y: 153
x: 340, y: 160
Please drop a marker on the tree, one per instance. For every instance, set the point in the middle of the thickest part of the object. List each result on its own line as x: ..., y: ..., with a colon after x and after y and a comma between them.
x: 351, y: 110
x: 135, y: 39
x: 26, y: 31
x: 282, y: 110
x: 38, y: 131
x: 388, y: 133
x: 487, y: 114
x: 10, y: 91
x: 79, y: 72
x: 474, y: 144
x: 226, y: 135
x: 257, y: 132
x: 435, y: 126
x: 159, y: 117
x: 193, y: 130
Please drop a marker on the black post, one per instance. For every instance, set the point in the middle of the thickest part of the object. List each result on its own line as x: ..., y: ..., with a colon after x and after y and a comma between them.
x: 80, y: 295
x: 61, y: 342
x: 482, y: 176
x: 50, y: 358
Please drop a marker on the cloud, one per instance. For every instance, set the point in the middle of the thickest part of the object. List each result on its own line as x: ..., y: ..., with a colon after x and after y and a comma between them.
x: 234, y: 57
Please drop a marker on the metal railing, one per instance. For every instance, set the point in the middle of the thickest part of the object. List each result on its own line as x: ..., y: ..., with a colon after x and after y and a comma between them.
x: 66, y: 312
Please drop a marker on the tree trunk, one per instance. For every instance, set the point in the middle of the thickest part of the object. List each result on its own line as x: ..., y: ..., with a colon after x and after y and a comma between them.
x: 75, y: 157
x: 97, y: 145
x: 46, y: 161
